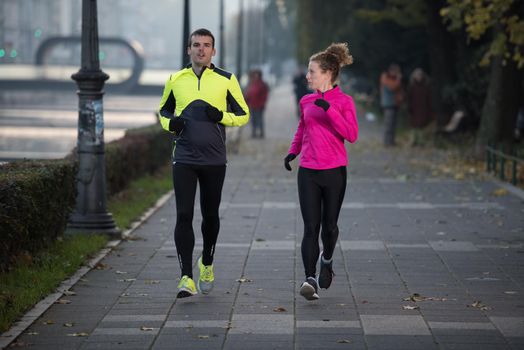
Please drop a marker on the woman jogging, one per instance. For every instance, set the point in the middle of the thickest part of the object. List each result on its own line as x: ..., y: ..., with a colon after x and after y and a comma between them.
x: 327, y: 118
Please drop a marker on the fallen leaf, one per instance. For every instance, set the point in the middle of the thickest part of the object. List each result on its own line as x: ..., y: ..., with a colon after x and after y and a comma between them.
x: 478, y: 305
x: 48, y: 322
x: 101, y: 266
x: 279, y: 309
x: 68, y: 324
x: 152, y: 282
x: 499, y: 192
x: 80, y: 334
x: 63, y: 301
x: 125, y: 294
x: 343, y: 341
x: 417, y: 297
x: 69, y: 293
x: 32, y: 333
x: 143, y: 328
x: 203, y: 336
x: 120, y: 272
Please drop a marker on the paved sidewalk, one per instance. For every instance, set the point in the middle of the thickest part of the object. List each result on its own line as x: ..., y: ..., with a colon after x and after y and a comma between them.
x: 422, y: 263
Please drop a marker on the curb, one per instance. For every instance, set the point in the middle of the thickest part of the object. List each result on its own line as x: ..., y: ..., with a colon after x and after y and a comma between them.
x: 513, y: 189
x: 25, y: 321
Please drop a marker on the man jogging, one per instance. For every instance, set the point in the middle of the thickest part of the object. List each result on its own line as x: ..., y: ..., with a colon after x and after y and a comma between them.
x: 199, y: 101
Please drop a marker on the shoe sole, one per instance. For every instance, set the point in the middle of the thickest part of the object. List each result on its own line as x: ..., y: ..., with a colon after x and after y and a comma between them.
x: 183, y: 293
x: 308, y: 292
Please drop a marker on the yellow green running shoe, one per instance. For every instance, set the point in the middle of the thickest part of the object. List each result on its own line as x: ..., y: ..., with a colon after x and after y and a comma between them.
x: 207, y: 277
x: 186, y: 287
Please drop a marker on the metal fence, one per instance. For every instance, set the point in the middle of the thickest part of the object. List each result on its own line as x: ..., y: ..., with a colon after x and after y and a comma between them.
x: 504, y: 165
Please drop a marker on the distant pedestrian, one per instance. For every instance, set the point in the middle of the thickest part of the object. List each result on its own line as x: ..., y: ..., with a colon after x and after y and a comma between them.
x: 300, y: 87
x: 327, y: 118
x: 256, y: 97
x: 419, y: 104
x: 391, y: 97
x: 199, y: 101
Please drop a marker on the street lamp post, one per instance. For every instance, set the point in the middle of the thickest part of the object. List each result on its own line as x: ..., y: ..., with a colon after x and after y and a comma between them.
x: 222, y: 43
x: 240, y: 44
x: 185, y: 57
x: 90, y: 215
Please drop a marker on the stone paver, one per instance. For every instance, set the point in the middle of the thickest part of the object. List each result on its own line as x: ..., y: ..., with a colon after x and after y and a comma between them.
x: 422, y: 263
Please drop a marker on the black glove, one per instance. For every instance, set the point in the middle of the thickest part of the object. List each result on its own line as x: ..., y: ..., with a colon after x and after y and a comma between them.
x: 322, y: 104
x: 214, y: 114
x: 176, y: 124
x: 288, y: 159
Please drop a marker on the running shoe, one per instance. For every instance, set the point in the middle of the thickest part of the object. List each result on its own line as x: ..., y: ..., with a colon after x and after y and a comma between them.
x: 206, y: 278
x: 309, y: 289
x: 326, y: 273
x: 186, y: 287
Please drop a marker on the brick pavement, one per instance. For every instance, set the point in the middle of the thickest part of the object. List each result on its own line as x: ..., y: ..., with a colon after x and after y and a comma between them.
x: 450, y: 246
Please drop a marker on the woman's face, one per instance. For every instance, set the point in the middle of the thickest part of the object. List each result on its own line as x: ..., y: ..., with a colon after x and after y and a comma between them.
x: 316, y: 78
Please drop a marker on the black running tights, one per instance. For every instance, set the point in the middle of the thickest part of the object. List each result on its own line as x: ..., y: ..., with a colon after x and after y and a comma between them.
x: 210, y: 179
x: 320, y: 193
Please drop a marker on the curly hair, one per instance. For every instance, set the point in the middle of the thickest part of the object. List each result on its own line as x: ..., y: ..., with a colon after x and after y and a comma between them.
x: 333, y: 58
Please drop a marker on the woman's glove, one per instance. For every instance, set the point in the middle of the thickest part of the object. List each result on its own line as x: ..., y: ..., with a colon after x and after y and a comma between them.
x: 288, y: 159
x: 322, y: 104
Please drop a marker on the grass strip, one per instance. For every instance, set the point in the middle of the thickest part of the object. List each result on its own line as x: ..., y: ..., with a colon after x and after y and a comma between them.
x: 128, y: 205
x: 35, y: 277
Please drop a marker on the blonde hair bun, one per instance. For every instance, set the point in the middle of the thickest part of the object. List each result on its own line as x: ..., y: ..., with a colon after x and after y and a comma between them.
x: 341, y: 52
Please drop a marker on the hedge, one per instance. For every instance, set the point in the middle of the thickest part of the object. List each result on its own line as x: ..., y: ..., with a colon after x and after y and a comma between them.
x: 141, y: 151
x: 36, y: 197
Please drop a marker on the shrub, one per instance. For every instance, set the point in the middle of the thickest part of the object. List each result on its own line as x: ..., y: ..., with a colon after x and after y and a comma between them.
x: 36, y: 198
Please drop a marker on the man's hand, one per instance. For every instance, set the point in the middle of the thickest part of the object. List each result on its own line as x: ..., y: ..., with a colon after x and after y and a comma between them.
x: 322, y: 104
x: 176, y: 124
x: 288, y: 159
x: 214, y: 114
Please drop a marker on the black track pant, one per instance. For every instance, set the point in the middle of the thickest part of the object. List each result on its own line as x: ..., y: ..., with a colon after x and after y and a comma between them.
x: 321, y: 193
x: 210, y: 179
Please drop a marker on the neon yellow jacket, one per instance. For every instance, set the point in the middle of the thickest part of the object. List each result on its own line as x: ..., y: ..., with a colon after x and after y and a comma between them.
x: 186, y: 96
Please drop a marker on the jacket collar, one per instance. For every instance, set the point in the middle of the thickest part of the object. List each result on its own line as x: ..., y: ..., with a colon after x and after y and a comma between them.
x: 335, y: 90
x: 190, y: 66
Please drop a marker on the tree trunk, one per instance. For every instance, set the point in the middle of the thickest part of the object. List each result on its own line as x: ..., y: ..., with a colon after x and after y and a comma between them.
x: 441, y: 54
x: 500, y: 108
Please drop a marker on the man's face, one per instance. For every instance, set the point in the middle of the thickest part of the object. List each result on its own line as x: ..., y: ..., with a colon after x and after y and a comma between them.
x: 201, y: 50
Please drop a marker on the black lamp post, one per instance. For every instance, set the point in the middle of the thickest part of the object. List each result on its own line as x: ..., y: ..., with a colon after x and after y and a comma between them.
x: 185, y: 57
x: 90, y: 215
x: 240, y: 38
x: 222, y: 43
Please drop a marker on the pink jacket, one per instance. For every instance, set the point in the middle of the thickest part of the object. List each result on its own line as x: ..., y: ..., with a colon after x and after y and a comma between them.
x: 320, y: 135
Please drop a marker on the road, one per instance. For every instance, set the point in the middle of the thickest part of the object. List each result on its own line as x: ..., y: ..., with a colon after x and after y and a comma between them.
x: 43, y: 125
